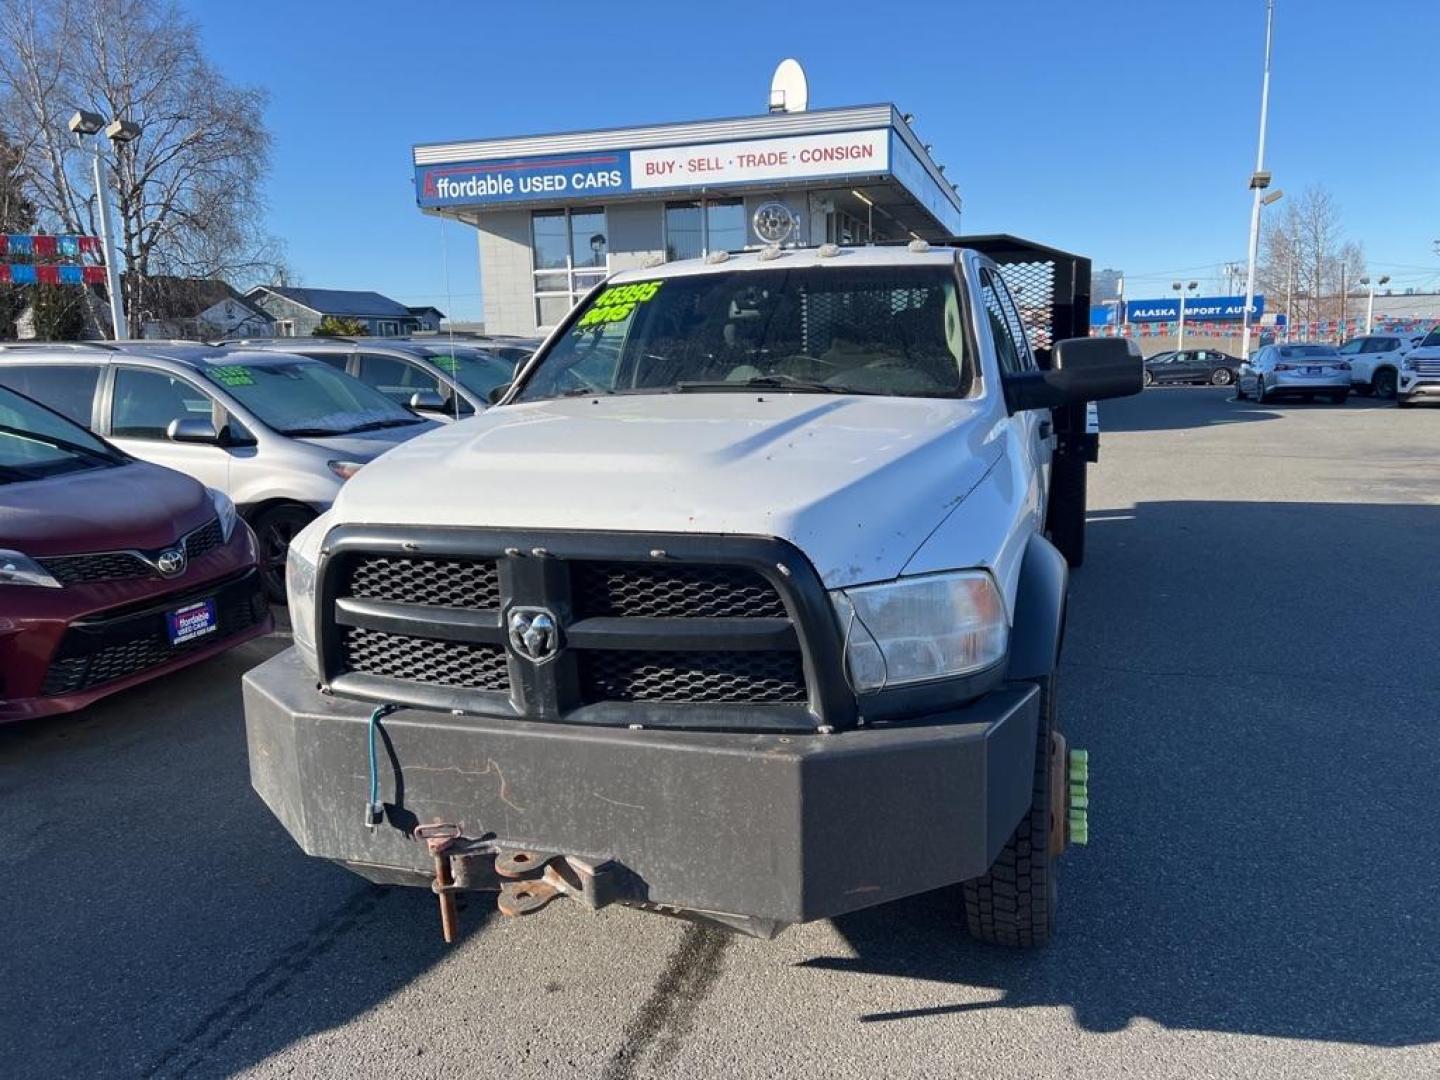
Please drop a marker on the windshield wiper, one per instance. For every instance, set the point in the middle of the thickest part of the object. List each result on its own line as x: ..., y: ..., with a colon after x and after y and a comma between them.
x: 769, y: 382
x: 62, y: 444
x: 376, y: 425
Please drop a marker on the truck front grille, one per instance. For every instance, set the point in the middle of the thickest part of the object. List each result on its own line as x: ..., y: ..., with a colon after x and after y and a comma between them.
x: 703, y: 677
x: 670, y: 592
x: 424, y: 660
x: 635, y: 634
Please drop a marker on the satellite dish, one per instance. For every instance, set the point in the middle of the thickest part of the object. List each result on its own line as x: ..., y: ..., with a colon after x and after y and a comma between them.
x: 788, y: 90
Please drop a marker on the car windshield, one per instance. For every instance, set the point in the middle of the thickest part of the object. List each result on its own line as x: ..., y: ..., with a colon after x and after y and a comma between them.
x: 1432, y: 338
x: 307, y: 397
x: 888, y: 330
x: 475, y: 369
x: 1293, y: 352
x: 36, y: 443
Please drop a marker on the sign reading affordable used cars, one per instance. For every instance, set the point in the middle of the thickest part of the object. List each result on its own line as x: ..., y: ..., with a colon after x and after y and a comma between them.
x: 1198, y: 308
x: 571, y: 176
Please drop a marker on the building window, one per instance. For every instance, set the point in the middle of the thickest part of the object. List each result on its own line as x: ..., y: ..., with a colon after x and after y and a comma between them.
x: 285, y: 327
x: 693, y: 229
x: 572, y: 255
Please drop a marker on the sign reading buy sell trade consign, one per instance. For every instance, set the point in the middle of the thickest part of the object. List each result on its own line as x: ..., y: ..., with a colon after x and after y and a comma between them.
x: 559, y: 177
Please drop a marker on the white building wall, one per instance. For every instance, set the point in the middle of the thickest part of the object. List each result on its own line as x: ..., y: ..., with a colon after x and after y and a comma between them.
x: 506, y: 279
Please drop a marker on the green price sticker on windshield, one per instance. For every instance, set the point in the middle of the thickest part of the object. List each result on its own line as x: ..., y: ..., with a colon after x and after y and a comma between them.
x: 232, y: 375
x: 616, y: 303
x: 445, y: 363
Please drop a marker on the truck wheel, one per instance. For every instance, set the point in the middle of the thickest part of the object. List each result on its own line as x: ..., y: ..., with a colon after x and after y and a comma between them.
x: 1385, y: 382
x: 1013, y: 903
x: 1067, y: 507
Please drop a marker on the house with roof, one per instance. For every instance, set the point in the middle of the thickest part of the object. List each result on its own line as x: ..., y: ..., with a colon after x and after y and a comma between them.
x: 429, y: 318
x: 297, y: 311
x: 201, y: 309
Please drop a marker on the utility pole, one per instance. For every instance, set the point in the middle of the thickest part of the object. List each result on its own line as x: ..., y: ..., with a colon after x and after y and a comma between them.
x: 1344, y: 292
x: 1259, y: 180
x: 1289, y: 295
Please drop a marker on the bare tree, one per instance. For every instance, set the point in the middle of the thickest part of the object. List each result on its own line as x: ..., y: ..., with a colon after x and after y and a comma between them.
x: 187, y: 191
x: 1307, y: 265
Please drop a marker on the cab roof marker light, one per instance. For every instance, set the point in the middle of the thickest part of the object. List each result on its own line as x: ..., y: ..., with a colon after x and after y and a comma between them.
x: 717, y: 257
x: 653, y: 260
x: 770, y: 251
x: 828, y: 251
x: 918, y: 246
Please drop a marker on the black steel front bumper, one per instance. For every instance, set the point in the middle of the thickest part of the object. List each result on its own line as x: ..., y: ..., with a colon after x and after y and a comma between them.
x: 786, y: 828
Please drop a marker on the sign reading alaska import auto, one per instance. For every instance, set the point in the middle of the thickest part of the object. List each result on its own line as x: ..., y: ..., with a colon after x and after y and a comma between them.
x: 613, y: 172
x: 1197, y: 308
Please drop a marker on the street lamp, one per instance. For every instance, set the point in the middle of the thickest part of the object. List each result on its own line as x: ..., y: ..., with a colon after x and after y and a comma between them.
x: 87, y: 125
x: 1259, y: 181
x: 1190, y: 287
x: 1370, y: 304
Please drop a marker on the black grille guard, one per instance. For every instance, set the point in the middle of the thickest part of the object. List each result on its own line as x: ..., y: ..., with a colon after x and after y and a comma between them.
x: 533, y: 572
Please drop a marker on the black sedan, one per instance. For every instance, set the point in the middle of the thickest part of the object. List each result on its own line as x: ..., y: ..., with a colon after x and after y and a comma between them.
x: 1192, y: 366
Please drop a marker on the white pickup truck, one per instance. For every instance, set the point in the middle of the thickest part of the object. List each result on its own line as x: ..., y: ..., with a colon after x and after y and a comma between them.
x: 739, y: 603
x: 1420, y: 372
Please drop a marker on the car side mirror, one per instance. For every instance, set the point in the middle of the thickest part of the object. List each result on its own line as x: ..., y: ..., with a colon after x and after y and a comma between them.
x: 1081, y: 370
x: 427, y: 401
x: 192, y: 430
x: 498, y: 392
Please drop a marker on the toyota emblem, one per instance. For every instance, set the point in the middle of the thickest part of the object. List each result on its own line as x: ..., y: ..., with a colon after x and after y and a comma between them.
x: 171, y: 563
x: 534, y: 634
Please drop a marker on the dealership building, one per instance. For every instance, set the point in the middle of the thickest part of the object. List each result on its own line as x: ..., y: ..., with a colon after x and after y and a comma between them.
x: 555, y: 213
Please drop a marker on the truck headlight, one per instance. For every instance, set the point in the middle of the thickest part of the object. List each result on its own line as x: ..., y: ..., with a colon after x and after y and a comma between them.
x: 225, y: 511
x: 916, y: 629
x: 18, y: 569
x: 300, y: 566
x: 1408, y: 363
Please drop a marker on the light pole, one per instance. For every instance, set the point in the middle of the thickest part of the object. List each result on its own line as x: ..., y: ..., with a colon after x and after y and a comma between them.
x: 1370, y: 304
x: 88, y: 124
x: 1259, y: 181
x: 1190, y: 287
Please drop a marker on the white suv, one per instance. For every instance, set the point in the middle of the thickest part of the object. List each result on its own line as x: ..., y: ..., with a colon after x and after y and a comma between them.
x: 1375, y: 361
x: 1420, y: 371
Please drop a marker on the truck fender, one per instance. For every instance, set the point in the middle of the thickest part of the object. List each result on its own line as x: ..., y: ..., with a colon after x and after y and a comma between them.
x: 1040, y: 595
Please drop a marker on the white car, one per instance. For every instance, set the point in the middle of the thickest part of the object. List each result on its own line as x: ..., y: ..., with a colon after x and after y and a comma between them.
x: 1420, y: 371
x: 1375, y: 361
x: 740, y: 602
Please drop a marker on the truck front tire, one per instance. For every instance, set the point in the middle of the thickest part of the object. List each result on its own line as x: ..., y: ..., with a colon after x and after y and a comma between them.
x: 1013, y: 903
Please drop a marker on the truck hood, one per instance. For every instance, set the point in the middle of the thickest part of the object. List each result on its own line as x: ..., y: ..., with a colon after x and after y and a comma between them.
x: 857, y: 483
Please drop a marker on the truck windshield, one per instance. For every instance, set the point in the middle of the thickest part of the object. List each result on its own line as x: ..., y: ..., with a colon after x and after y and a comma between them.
x: 307, y: 397
x: 35, y: 443
x: 889, y: 330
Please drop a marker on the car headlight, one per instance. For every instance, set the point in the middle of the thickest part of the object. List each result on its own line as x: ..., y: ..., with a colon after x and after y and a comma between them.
x: 18, y: 569
x: 300, y: 566
x: 345, y: 469
x: 225, y: 511
x: 1408, y: 363
x: 916, y: 629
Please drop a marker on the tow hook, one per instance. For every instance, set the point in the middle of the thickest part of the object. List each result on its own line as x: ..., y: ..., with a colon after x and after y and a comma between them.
x: 1079, y: 797
x: 526, y: 880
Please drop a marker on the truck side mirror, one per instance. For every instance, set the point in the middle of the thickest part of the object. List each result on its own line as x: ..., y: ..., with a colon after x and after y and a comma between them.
x: 191, y: 430
x: 498, y: 392
x: 427, y: 401
x: 1081, y: 370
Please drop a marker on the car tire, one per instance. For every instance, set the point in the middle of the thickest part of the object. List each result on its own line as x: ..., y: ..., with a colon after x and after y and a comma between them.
x: 1222, y: 377
x: 1149, y: 378
x: 1385, y: 383
x: 1261, y: 394
x: 274, y: 529
x: 1013, y: 903
x: 1065, y: 516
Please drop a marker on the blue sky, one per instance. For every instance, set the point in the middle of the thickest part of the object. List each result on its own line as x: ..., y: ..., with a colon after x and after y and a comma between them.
x: 1121, y: 129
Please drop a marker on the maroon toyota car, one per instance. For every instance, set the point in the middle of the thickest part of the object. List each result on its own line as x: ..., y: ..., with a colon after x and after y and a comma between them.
x: 112, y: 570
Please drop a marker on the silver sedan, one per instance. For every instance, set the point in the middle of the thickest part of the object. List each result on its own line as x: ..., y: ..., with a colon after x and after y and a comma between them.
x: 1307, y: 371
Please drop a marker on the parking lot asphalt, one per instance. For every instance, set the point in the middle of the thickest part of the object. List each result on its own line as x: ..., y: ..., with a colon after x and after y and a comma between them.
x: 1251, y: 661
